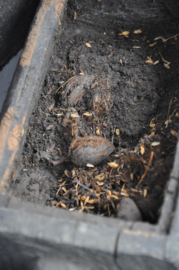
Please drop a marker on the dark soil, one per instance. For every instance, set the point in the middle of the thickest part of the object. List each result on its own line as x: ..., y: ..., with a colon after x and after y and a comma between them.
x: 98, y: 83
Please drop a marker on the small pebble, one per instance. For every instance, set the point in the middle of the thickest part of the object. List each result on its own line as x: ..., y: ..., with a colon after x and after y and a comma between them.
x: 129, y: 211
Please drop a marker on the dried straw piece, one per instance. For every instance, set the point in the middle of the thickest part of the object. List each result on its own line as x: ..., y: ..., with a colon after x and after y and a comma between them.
x: 150, y: 161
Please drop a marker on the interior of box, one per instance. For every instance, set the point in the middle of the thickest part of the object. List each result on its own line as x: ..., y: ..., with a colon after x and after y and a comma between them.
x: 105, y: 126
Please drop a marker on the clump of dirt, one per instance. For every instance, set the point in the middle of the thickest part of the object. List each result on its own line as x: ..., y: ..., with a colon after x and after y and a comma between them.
x: 119, y: 87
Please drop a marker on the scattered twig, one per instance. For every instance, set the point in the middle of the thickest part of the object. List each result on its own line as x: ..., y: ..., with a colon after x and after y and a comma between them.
x: 65, y: 83
x: 68, y: 110
x: 169, y: 108
x: 166, y: 63
x: 150, y: 161
x: 166, y: 39
x: 60, y: 187
x: 76, y: 181
x: 57, y: 162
